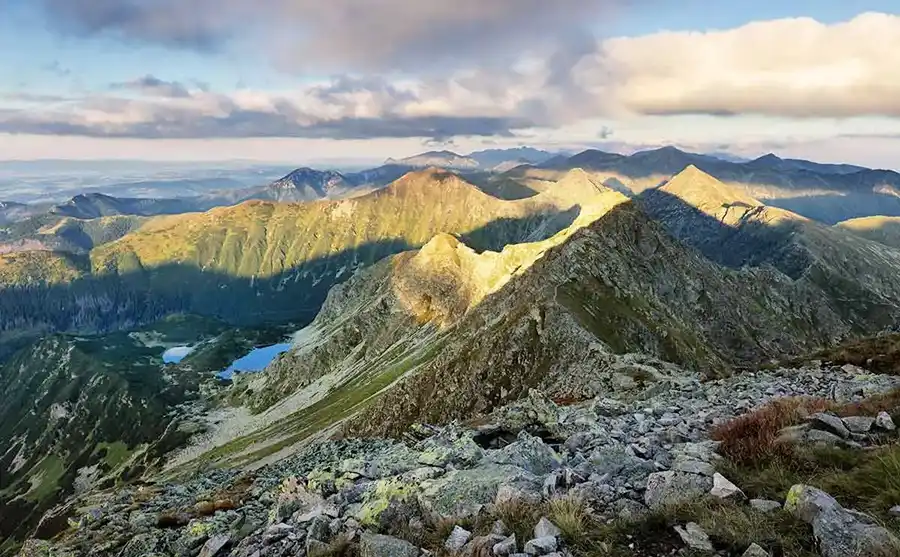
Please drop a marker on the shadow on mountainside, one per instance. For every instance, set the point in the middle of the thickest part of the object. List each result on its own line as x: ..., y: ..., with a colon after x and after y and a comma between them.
x: 629, y: 284
x: 832, y: 209
x: 62, y: 415
x: 101, y: 303
x: 750, y: 243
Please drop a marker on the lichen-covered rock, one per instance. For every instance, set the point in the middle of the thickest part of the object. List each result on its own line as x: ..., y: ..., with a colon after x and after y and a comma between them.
x: 528, y: 453
x: 451, y: 446
x: 377, y: 545
x: 387, y: 501
x: 840, y: 532
x: 670, y: 487
x: 464, y: 492
x: 534, y: 410
x: 694, y: 537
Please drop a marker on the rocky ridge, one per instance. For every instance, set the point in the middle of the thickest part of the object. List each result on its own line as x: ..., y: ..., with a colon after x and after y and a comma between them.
x: 622, y: 458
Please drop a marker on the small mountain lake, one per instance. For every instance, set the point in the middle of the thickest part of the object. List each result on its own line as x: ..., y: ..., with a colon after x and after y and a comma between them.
x: 175, y: 354
x: 255, y: 361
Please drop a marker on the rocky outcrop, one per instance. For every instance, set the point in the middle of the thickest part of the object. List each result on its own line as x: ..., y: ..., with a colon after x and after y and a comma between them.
x: 840, y: 532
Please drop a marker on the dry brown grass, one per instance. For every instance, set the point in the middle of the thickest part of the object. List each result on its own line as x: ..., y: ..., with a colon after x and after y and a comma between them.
x: 341, y: 546
x: 751, y: 437
x: 888, y: 402
x: 877, y: 354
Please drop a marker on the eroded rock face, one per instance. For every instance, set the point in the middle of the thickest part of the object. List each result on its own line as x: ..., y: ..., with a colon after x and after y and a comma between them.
x: 841, y: 532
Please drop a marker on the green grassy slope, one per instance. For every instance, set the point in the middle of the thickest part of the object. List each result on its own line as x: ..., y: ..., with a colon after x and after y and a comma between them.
x: 885, y: 230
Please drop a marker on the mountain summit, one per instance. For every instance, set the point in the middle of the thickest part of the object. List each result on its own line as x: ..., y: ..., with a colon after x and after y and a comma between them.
x: 305, y: 184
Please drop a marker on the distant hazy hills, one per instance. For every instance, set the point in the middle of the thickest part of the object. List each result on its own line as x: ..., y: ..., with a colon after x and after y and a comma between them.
x: 829, y: 193
x: 490, y: 159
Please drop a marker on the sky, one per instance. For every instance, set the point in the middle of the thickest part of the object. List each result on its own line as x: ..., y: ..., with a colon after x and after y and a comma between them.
x: 358, y: 80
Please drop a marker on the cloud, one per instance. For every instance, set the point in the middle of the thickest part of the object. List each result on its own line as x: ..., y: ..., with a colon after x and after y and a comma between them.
x: 797, y: 68
x: 153, y: 86
x: 340, y: 110
x: 340, y: 35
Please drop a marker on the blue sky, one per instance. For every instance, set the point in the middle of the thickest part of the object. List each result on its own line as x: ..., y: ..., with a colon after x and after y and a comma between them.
x: 288, y: 79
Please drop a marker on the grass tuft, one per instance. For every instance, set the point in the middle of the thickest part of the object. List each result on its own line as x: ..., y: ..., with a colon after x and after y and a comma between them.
x: 571, y: 515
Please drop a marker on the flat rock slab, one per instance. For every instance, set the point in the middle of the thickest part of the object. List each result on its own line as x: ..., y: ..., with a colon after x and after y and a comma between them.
x: 377, y: 545
x: 830, y: 423
x: 859, y: 424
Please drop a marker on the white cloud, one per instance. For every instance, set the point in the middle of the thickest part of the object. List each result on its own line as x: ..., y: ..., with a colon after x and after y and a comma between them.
x: 797, y: 79
x: 792, y: 67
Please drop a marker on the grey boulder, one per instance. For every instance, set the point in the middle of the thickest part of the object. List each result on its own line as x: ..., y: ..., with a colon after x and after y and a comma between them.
x: 670, y: 487
x: 840, y: 532
x: 377, y: 545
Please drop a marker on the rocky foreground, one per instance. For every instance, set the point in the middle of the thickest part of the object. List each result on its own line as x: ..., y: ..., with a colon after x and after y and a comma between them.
x: 599, y: 477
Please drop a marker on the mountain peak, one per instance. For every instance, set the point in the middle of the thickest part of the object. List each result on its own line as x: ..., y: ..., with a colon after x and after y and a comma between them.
x: 577, y: 182
x: 427, y: 180
x: 667, y: 151
x: 769, y: 159
x: 701, y: 190
x: 442, y: 159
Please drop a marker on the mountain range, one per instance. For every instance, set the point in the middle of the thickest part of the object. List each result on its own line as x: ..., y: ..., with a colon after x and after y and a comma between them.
x: 825, y: 192
x: 446, y: 332
x: 437, y: 297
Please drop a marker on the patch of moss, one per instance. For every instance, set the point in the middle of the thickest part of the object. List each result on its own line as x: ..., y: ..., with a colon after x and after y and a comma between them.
x: 115, y: 454
x: 45, y: 478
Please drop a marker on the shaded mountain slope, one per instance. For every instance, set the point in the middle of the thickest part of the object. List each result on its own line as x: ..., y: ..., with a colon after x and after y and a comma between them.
x: 735, y: 230
x: 80, y: 412
x: 885, y: 230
